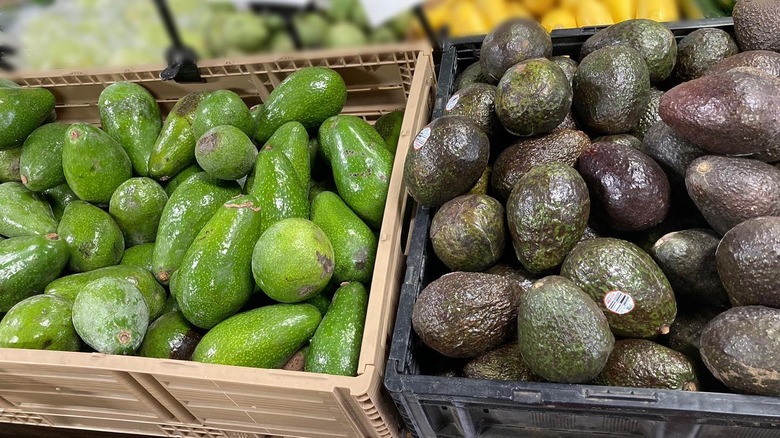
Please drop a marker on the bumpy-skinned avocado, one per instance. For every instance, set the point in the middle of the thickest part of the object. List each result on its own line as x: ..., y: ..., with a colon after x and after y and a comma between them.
x: 468, y: 232
x: 654, y: 42
x: 519, y: 275
x: 564, y: 146
x: 753, y: 367
x: 448, y: 156
x: 611, y: 90
x: 650, y: 115
x: 626, y: 283
x: 26, y: 109
x: 756, y: 24
x: 94, y: 238
x: 624, y: 139
x: 136, y: 206
x: 24, y: 213
x: 744, y: 264
x: 41, y: 322
x: 170, y: 336
x: 567, y: 123
x: 632, y: 189
x: 28, y: 264
x: 674, y: 153
x: 640, y: 363
x: 483, y: 183
x: 547, y: 213
x: 685, y: 333
x: 225, y: 152
x: 533, y: 97
x: 39, y: 166
x: 502, y: 363
x: 763, y: 60
x: 563, y: 335
x: 743, y: 122
x: 471, y: 75
x: 729, y: 191
x: 465, y: 314
x: 478, y: 103
x: 687, y: 258
x: 568, y: 65
x: 512, y: 42
x: 9, y: 165
x: 700, y: 50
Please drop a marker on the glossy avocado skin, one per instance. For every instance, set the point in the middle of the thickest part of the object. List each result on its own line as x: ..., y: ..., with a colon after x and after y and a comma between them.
x: 701, y: 50
x: 9, y: 165
x: 563, y: 146
x: 24, y: 213
x: 180, y: 177
x: 687, y: 258
x: 93, y: 236
x: 389, y: 127
x: 59, y: 197
x: 753, y: 368
x: 225, y: 152
x: 25, y: 109
x: 743, y: 123
x: 477, y: 102
x: 512, y: 42
x: 547, y: 213
x: 38, y: 165
x: 685, y: 333
x: 654, y: 42
x: 136, y: 206
x: 471, y: 75
x: 641, y: 363
x: 632, y: 189
x: 40, y: 322
x: 745, y: 265
x: 292, y: 140
x: 221, y: 108
x: 603, y: 265
x: 465, y: 314
x: 27, y: 265
x: 175, y: 146
x: 533, y: 97
x: 568, y: 65
x: 674, y: 153
x: 277, y: 189
x: 756, y: 24
x: 764, y: 60
x: 170, y: 336
x: 729, y: 191
x: 611, y: 90
x: 563, y: 335
x: 650, y: 114
x: 502, y: 363
x: 624, y: 139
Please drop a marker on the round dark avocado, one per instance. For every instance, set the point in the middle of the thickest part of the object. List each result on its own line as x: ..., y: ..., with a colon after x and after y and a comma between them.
x: 511, y: 42
x: 471, y: 75
x: 700, y: 50
x: 477, y: 102
x: 640, y: 363
x: 568, y: 65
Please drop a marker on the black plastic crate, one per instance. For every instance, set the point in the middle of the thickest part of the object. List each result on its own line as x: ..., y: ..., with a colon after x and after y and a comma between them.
x: 459, y: 407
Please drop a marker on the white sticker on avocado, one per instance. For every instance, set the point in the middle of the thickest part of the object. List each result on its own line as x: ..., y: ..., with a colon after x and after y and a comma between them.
x: 452, y: 102
x: 618, y: 302
x: 422, y: 138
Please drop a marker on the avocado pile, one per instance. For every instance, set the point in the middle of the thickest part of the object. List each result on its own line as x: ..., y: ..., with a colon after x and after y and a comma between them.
x: 612, y: 221
x: 178, y: 238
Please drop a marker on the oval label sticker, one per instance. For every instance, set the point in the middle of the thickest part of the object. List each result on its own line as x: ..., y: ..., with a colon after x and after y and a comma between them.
x: 422, y: 138
x: 452, y: 102
x: 618, y: 302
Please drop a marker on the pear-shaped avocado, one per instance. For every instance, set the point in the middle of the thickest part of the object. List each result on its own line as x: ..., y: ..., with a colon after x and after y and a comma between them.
x: 41, y: 322
x: 28, y: 264
x: 24, y: 213
x: 39, y: 165
x: 25, y: 110
x: 175, y: 146
x: 292, y: 140
x: 277, y: 189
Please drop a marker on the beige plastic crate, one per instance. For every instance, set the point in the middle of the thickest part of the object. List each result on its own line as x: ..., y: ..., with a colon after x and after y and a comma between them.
x: 186, y: 399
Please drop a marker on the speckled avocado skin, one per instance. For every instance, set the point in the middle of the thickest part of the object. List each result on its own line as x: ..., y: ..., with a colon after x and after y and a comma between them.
x: 547, y: 213
x: 511, y: 42
x: 130, y: 115
x: 502, y: 363
x: 59, y: 197
x: 640, y: 363
x: 603, y: 265
x: 752, y: 368
x: 563, y: 335
x: 701, y: 50
x: 136, y: 206
x: 611, y: 89
x: 175, y: 146
x: 260, y: 338
x: 221, y: 107
x: 39, y: 167
x: 24, y: 213
x: 225, y: 152
x: 27, y: 265
x: 170, y: 336
x: 674, y: 153
x: 9, y: 165
x: 292, y: 140
x: 533, y: 97
x: 139, y: 256
x: 25, y: 110
x: 277, y: 189
x: 93, y: 236
x: 477, y: 102
x: 41, y: 322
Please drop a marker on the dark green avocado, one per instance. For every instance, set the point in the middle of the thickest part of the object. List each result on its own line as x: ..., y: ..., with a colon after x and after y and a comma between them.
x: 502, y: 363
x: 640, y: 363
x: 512, y: 42
x: 674, y: 153
x: 685, y: 333
x: 568, y: 65
x: 624, y: 139
x: 478, y: 103
x: 471, y: 75
x: 702, y: 49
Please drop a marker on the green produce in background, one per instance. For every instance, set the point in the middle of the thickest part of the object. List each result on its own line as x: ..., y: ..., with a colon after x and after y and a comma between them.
x: 308, y: 96
x: 175, y: 147
x: 59, y: 197
x: 28, y: 264
x: 361, y: 165
x: 70, y: 286
x: 277, y: 189
x: 130, y: 115
x: 94, y: 239
x: 563, y: 335
x: 215, y: 277
x: 41, y: 162
x: 311, y: 28
x: 110, y: 315
x: 354, y: 244
x: 221, y: 107
x: 181, y: 177
x: 639, y: 363
x: 188, y: 209
x: 244, y: 32
x: 293, y: 260
x: 24, y: 213
x: 170, y: 336
x: 292, y: 140
x: 343, y: 34
x: 26, y: 109
x: 139, y: 256
x: 41, y: 322
x: 94, y: 163
x: 262, y: 338
x: 9, y: 165
x: 335, y: 346
x: 281, y: 42
x: 389, y: 127
x: 225, y: 152
x: 383, y: 35
x: 136, y: 206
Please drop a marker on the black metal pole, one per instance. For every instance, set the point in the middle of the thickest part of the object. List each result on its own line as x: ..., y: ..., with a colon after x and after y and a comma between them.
x: 170, y: 26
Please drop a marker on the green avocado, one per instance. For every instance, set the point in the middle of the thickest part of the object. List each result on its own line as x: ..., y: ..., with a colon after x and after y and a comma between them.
x: 24, y: 213
x: 279, y: 192
x: 650, y: 115
x: 139, y: 256
x: 41, y: 322
x: 59, y: 197
x: 175, y: 146
x: 170, y: 336
x: 701, y: 50
x: 41, y: 162
x: 292, y: 140
x: 218, y: 108
x: 10, y: 160
x: 25, y: 110
x: 136, y: 206
x: 225, y: 152
x: 639, y: 363
x: 470, y: 75
x: 180, y: 177
x: 502, y: 363
x: 27, y: 265
x: 510, y: 43
x: 389, y: 127
x: 94, y: 238
x: 478, y: 103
